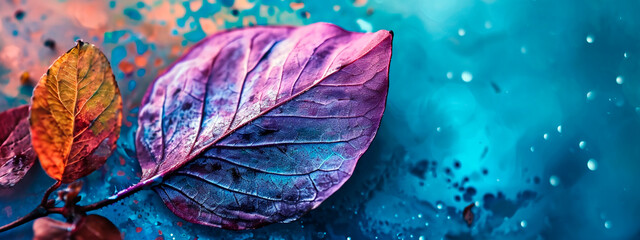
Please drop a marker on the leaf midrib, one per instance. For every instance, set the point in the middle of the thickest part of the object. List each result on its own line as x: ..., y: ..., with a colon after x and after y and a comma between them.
x: 230, y: 131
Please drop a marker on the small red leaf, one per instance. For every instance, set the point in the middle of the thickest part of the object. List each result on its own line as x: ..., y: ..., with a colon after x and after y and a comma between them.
x: 47, y: 228
x: 16, y: 154
x: 92, y: 227
x: 95, y: 227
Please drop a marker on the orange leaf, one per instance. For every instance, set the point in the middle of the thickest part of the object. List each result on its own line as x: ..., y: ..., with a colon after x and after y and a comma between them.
x: 76, y: 114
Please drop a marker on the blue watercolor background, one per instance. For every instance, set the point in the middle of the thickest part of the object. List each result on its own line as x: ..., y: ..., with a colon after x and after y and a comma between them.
x: 528, y: 109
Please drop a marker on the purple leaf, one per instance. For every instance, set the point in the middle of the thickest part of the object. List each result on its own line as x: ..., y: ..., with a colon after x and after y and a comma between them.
x: 16, y: 154
x: 261, y: 125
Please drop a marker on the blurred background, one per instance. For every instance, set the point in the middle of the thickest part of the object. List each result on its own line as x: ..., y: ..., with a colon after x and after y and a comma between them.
x: 528, y: 111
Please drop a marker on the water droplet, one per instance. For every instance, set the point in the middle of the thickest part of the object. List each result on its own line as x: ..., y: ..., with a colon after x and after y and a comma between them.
x: 488, y: 25
x: 582, y: 144
x: 426, y: 224
x: 461, y: 32
x: 590, y: 95
x: 625, y: 55
x: 364, y: 25
x: 545, y: 136
x: 523, y: 50
x: 466, y: 76
x: 421, y: 238
x: 607, y: 224
x: 559, y: 128
x: 449, y: 75
x: 523, y: 223
x: 619, y: 80
x: 439, y: 206
x: 592, y: 164
x: 532, y: 149
x: 419, y: 215
x: 589, y: 39
x: 554, y: 181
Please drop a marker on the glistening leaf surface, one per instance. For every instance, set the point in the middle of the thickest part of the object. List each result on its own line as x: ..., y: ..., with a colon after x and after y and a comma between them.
x: 76, y: 114
x: 16, y: 154
x: 261, y: 125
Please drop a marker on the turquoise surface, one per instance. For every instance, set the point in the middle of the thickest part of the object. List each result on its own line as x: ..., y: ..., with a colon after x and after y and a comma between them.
x: 530, y: 110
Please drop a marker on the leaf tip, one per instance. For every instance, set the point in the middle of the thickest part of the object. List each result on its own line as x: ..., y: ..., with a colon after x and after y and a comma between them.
x: 80, y: 43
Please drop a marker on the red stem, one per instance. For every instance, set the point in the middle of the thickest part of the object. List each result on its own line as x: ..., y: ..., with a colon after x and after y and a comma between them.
x: 40, y: 211
x: 53, y: 187
x: 44, y: 210
x: 118, y: 196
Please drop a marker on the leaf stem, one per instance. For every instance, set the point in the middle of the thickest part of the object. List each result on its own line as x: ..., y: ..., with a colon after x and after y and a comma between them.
x: 45, y: 198
x: 43, y: 210
x: 40, y: 211
x: 36, y: 213
x: 118, y: 196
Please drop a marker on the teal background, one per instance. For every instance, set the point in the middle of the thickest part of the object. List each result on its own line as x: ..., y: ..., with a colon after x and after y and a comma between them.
x: 514, y: 96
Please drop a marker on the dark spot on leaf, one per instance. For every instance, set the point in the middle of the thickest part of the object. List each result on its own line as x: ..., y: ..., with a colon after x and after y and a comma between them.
x: 216, y: 167
x: 245, y: 136
x: 325, y: 52
x: 235, y: 174
x: 235, y: 12
x: 18, y: 159
x: 186, y: 106
x: 248, y: 208
x: 176, y: 92
x: 456, y: 164
x: 263, y: 132
x: 290, y: 198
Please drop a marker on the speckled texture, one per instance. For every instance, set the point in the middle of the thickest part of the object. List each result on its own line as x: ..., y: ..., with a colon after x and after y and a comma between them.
x: 261, y: 125
x: 475, y: 88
